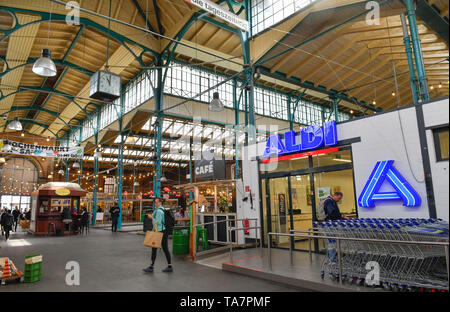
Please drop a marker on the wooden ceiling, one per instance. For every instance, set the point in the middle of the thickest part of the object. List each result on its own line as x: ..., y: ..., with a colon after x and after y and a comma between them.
x: 354, y: 58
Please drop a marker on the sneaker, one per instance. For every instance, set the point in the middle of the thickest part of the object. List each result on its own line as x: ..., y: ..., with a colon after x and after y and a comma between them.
x: 148, y: 270
x: 168, y: 269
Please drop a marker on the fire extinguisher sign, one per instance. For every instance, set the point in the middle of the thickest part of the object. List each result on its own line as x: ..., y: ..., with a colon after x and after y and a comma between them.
x: 246, y: 226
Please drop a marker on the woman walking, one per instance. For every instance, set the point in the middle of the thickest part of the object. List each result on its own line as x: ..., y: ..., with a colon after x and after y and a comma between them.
x: 158, y: 221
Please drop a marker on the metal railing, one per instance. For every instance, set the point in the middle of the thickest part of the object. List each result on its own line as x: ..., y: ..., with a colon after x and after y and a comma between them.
x: 339, y: 239
x: 256, y: 238
x: 229, y: 241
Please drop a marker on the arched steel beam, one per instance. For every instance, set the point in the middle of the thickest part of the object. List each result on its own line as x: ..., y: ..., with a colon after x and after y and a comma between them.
x: 45, y: 17
x: 46, y: 90
x: 34, y: 122
x: 38, y: 108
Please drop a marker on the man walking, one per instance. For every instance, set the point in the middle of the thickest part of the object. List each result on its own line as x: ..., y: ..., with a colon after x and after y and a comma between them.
x: 7, y: 221
x: 16, y: 214
x: 115, y: 212
x: 159, y: 222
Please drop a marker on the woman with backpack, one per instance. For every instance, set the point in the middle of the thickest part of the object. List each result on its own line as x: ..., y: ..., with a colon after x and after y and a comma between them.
x: 158, y: 218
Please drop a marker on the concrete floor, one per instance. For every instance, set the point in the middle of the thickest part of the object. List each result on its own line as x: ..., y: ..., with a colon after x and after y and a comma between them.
x: 114, y: 262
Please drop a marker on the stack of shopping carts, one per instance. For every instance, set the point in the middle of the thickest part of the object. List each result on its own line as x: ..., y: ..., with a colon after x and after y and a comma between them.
x: 397, y: 266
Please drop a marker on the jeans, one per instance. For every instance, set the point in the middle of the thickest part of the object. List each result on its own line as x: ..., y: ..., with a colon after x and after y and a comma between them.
x: 165, y: 248
x: 332, y: 250
x: 114, y: 224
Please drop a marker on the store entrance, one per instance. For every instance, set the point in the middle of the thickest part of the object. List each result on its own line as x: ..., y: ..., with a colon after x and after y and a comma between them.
x: 290, y: 198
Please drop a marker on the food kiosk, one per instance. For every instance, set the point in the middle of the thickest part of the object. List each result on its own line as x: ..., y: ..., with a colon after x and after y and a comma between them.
x: 47, y: 204
x: 214, y: 202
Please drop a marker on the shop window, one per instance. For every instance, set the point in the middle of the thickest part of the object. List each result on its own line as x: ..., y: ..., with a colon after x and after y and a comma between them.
x: 441, y: 143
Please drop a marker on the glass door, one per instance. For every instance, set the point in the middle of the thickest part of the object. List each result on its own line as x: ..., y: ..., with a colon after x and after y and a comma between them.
x: 280, y: 210
x: 302, y: 207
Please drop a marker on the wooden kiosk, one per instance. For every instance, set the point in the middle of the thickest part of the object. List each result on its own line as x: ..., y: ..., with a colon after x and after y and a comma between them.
x: 47, y: 204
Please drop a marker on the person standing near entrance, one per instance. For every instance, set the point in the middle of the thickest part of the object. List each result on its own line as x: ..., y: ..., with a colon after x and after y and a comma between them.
x: 159, y: 221
x: 115, y: 212
x: 331, y: 208
x: 7, y: 223
x: 16, y: 214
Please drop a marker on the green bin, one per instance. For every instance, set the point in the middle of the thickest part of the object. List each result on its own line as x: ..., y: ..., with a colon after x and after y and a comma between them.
x: 180, y: 240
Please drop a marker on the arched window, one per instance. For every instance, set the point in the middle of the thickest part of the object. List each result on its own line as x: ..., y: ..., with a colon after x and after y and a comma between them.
x: 19, y: 177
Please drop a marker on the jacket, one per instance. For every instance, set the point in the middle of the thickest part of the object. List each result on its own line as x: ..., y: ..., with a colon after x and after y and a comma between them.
x: 158, y: 218
x: 16, y: 214
x: 332, y: 209
x: 7, y: 221
x: 65, y: 214
x: 114, y: 211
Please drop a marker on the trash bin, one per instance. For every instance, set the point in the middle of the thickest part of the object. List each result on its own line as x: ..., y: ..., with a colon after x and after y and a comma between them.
x: 180, y: 240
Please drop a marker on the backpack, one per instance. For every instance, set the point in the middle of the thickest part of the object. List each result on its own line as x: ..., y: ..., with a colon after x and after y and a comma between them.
x: 169, y: 219
x: 322, y: 214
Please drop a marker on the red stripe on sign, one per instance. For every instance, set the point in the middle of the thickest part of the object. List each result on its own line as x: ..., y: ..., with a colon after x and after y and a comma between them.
x: 300, y: 155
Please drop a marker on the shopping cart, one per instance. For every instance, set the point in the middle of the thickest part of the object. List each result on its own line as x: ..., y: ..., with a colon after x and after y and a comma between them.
x: 399, y: 266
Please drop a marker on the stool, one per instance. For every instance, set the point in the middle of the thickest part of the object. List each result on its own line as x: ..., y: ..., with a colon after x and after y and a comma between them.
x: 201, y: 232
x: 54, y: 228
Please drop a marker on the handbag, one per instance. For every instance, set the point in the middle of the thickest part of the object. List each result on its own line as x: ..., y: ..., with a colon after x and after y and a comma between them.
x: 153, y: 238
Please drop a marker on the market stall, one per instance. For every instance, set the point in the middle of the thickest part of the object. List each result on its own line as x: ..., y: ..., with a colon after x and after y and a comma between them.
x: 48, y: 204
x: 213, y: 202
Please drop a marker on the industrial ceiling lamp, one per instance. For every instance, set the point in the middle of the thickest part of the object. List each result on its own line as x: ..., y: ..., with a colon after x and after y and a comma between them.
x: 2, y: 160
x: 61, y: 171
x: 131, y: 139
x: 97, y: 154
x: 136, y: 183
x: 76, y: 165
x: 163, y: 178
x: 44, y: 66
x: 216, y: 104
x: 15, y: 125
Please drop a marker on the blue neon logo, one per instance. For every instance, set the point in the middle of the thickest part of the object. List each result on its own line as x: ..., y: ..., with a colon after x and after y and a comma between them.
x: 385, y: 170
x: 311, y: 138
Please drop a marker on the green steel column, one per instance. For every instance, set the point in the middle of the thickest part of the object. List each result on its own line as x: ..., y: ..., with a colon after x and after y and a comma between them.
x: 94, y: 188
x: 289, y: 111
x: 120, y: 166
x: 66, y: 178
x: 134, y: 178
x: 423, y: 83
x: 191, y: 195
x: 236, y: 123
x: 158, y: 128
x: 335, y: 109
x: 80, y: 175
x: 408, y: 50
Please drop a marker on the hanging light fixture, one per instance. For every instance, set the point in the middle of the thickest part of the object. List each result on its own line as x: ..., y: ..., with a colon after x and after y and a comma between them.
x: 97, y: 154
x: 216, y: 104
x: 61, y: 171
x: 136, y: 183
x: 15, y: 125
x: 2, y: 160
x: 44, y: 66
x: 163, y: 179
x: 76, y: 165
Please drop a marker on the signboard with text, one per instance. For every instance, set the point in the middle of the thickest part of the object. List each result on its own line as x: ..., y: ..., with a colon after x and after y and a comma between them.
x: 213, y: 169
x: 26, y: 149
x: 220, y: 12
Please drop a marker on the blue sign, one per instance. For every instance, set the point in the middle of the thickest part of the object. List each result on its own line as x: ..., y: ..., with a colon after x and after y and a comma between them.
x: 311, y: 138
x: 385, y: 171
